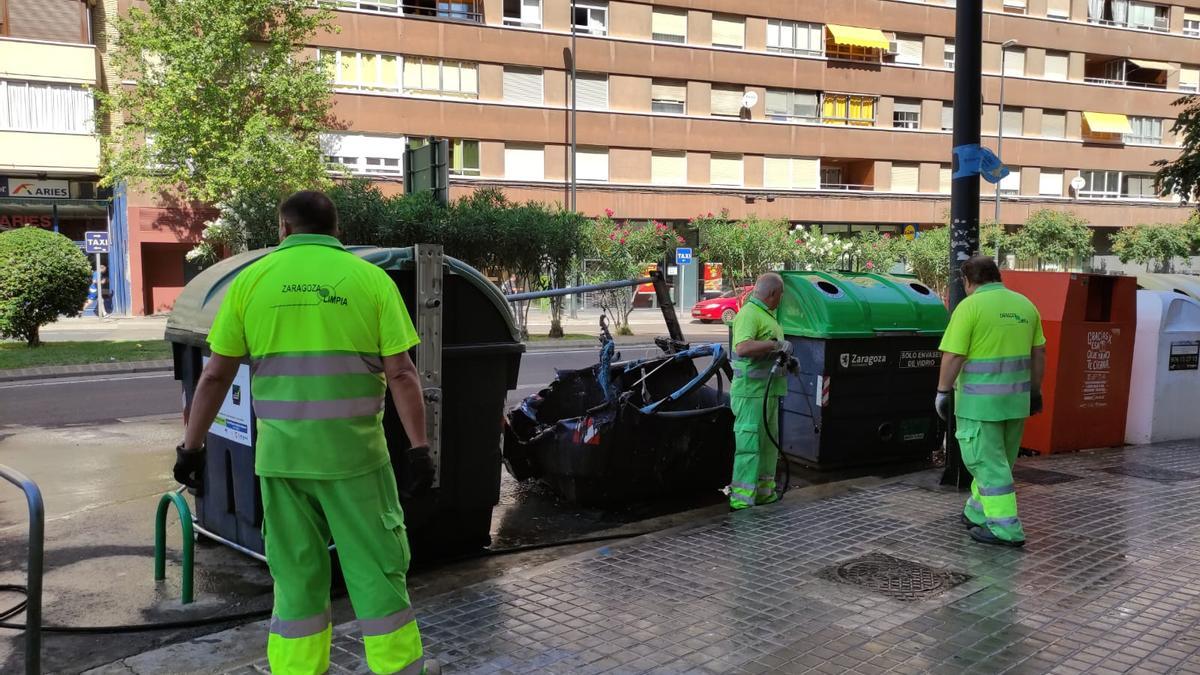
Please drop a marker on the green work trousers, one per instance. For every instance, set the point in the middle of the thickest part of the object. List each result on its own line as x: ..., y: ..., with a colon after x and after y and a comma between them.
x: 755, y: 456
x: 989, y: 450
x: 363, y: 516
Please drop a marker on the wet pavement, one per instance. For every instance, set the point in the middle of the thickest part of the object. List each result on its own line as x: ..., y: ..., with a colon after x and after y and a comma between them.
x: 1109, y: 582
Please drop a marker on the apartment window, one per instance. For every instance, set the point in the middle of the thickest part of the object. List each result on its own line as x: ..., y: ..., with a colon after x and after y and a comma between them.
x: 793, y: 37
x: 947, y: 116
x: 1058, y: 9
x: 945, y: 179
x: 831, y: 178
x: 592, y: 164
x: 1101, y: 185
x: 948, y: 55
x: 524, y: 162
x: 1014, y: 6
x: 1138, y: 186
x: 905, y: 177
x: 441, y: 77
x: 1050, y: 183
x: 668, y: 25
x: 591, y: 17
x: 784, y: 105
x: 464, y: 157
x: 1014, y: 61
x: 727, y: 101
x: 907, y: 49
x: 523, y: 86
x: 1189, y: 79
x: 906, y: 114
x: 1013, y: 121
x: 37, y: 106
x: 792, y: 173
x: 1144, y: 131
x: 523, y: 13
x: 1054, y: 124
x: 848, y: 109
x: 729, y: 31
x: 1057, y: 65
x: 591, y: 91
x: 365, y: 153
x: 1147, y: 17
x: 668, y: 97
x: 725, y: 169
x: 1011, y: 184
x: 363, y: 71
x: 668, y: 168
x: 1191, y: 23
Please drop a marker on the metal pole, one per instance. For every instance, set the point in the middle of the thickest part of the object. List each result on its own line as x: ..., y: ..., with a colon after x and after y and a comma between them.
x: 964, y: 190
x: 1000, y: 130
x: 100, y: 313
x: 33, y: 573
x: 574, y: 111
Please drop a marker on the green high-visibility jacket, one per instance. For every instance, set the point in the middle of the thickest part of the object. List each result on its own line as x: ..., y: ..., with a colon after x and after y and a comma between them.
x: 755, y: 322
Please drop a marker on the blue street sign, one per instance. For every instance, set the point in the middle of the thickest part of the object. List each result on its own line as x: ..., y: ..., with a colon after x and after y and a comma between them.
x: 95, y: 242
x: 683, y: 256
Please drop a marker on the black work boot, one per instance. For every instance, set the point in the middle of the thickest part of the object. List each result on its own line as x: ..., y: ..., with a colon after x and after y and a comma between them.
x: 985, y: 536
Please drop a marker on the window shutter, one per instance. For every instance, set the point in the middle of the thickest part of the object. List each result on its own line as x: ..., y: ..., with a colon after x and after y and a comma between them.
x: 592, y: 164
x: 945, y: 177
x: 1059, y: 8
x: 1050, y: 183
x: 669, y: 25
x: 668, y: 168
x: 1014, y: 122
x: 1014, y: 62
x: 728, y: 31
x: 53, y: 20
x: 806, y: 174
x: 725, y: 169
x: 947, y: 116
x: 1057, y: 65
x: 523, y: 85
x: 1054, y: 124
x: 1189, y: 78
x: 727, y: 101
x: 524, y: 162
x: 668, y: 91
x: 909, y: 51
x: 777, y: 172
x: 431, y: 75
x: 592, y: 91
x: 906, y: 107
x: 412, y: 73
x: 905, y: 177
x: 777, y: 102
x: 469, y: 78
x: 1011, y: 182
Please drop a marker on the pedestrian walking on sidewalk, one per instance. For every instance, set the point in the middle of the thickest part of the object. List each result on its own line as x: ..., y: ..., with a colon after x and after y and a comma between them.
x: 757, y: 342
x: 995, y: 350
x: 327, y: 336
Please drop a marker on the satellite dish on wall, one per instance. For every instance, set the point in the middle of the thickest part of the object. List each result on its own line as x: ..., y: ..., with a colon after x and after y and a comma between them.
x: 749, y: 99
x: 1078, y: 183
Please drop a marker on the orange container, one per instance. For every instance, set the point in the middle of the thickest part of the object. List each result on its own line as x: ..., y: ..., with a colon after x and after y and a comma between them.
x: 1090, y: 321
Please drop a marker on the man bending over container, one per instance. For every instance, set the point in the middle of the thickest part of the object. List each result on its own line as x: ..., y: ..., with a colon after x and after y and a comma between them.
x: 327, y: 336
x: 995, y: 350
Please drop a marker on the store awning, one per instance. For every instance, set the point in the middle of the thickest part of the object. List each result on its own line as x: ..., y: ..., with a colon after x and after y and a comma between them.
x: 1107, y: 123
x: 67, y: 208
x: 851, y: 36
x: 1150, y: 65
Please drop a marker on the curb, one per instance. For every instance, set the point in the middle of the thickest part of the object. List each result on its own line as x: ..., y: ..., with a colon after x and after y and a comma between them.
x: 84, y: 369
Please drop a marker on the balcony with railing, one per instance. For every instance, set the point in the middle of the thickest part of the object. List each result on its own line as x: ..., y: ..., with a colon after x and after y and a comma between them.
x: 848, y: 175
x: 1125, y: 72
x: 1134, y: 15
x: 457, y: 10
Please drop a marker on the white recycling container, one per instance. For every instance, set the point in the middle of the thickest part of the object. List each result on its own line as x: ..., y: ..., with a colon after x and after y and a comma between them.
x: 1165, y: 385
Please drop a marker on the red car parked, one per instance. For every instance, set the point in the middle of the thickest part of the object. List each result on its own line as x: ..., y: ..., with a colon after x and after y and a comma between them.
x: 722, y: 308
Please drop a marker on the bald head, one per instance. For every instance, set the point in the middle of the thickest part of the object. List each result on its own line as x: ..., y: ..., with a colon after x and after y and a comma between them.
x: 769, y: 289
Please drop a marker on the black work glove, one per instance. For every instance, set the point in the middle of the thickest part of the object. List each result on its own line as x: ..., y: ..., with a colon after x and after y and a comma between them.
x: 418, y: 471
x: 189, y: 467
x: 941, y: 403
x: 1035, y: 403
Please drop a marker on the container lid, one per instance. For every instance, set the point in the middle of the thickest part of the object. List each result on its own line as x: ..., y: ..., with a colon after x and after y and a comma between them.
x: 858, y: 305
x: 194, y: 310
x: 1184, y: 284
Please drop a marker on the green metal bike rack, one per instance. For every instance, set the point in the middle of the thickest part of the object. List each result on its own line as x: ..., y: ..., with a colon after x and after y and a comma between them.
x: 160, y: 542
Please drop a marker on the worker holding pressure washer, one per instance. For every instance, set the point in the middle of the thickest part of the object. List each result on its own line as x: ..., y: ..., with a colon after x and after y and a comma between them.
x: 995, y: 350
x: 758, y: 345
x: 327, y: 336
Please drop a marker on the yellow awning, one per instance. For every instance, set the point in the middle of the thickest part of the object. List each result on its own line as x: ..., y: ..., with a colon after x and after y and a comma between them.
x: 851, y: 36
x: 1152, y: 65
x: 1107, y: 123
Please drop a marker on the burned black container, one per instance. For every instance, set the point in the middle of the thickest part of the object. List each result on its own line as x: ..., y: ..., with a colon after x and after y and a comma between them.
x: 867, y: 349
x: 658, y: 432
x: 481, y: 354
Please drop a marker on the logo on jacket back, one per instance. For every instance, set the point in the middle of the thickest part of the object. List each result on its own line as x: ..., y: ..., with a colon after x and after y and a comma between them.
x: 320, y: 294
x: 851, y: 360
x: 1013, y: 316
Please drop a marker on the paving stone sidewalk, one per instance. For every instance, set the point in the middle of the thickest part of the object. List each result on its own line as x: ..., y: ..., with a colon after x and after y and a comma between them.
x: 1108, y: 583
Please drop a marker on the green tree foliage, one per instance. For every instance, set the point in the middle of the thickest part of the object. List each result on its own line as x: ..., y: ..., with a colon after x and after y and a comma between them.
x: 1181, y: 176
x: 746, y: 248
x: 622, y: 250
x: 226, y: 92
x: 43, y: 275
x: 928, y: 258
x: 814, y: 250
x: 1057, y: 237
x: 878, y: 251
x: 1156, y: 244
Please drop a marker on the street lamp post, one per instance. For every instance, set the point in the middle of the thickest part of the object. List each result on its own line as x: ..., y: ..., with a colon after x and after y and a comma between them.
x: 574, y: 86
x: 1000, y: 130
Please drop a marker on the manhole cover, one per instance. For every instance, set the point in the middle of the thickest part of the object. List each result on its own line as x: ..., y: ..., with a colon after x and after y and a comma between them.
x: 894, y: 577
x: 1041, y: 476
x: 1150, y: 472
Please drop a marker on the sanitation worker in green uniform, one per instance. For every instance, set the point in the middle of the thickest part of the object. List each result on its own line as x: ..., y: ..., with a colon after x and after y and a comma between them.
x: 757, y: 342
x: 327, y: 336
x: 995, y: 351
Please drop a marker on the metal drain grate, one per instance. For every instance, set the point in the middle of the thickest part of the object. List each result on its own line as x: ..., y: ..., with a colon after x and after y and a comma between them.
x: 1033, y: 476
x: 1150, y: 472
x: 894, y: 577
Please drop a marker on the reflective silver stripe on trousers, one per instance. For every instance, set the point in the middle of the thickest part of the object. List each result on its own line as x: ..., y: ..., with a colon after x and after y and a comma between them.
x: 317, y: 364
x: 300, y: 628
x: 1004, y: 521
x: 743, y: 486
x: 749, y: 501
x: 387, y: 624
x: 415, y: 668
x: 997, y: 491
x: 990, y: 389
x: 974, y: 505
x: 318, y: 410
x: 1012, y: 365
